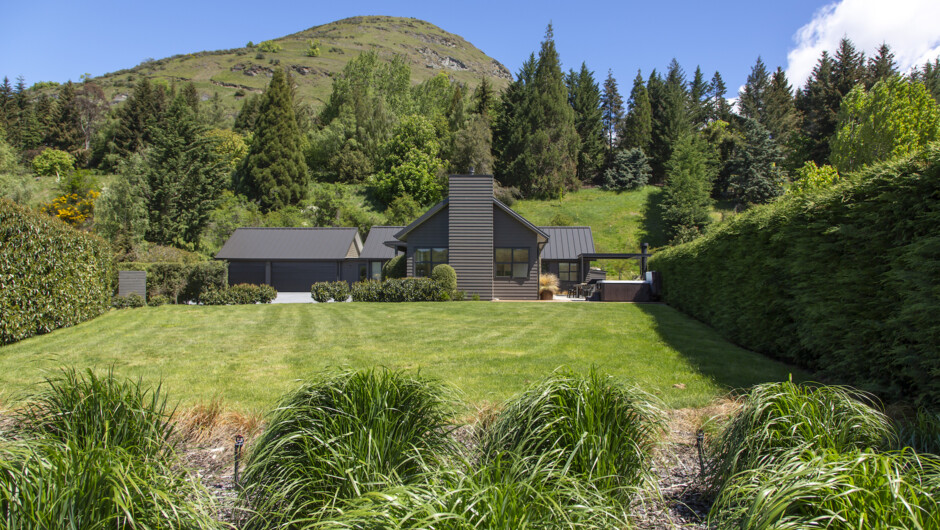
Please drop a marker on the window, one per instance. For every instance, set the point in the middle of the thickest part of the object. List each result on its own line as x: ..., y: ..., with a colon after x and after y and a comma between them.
x: 375, y: 271
x: 428, y: 258
x: 512, y: 262
x: 568, y: 272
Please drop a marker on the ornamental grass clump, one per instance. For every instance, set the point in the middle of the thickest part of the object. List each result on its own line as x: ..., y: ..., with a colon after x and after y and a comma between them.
x: 778, y: 418
x: 854, y: 489
x: 548, y: 283
x: 597, y: 428
x: 342, y: 437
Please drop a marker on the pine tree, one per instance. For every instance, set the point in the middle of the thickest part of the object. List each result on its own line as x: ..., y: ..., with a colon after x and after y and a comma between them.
x: 752, y: 101
x: 27, y: 131
x: 849, y: 68
x: 7, y: 114
x: 929, y: 75
x: 670, y: 117
x: 818, y: 103
x: 552, y: 143
x: 138, y: 118
x: 585, y: 98
x: 718, y: 107
x: 780, y: 118
x: 191, y: 96
x: 484, y: 98
x: 509, y: 130
x: 66, y: 133
x: 687, y: 199
x: 698, y: 100
x: 637, y: 128
x: 880, y: 67
x: 248, y: 115
x: 612, y: 108
x: 185, y: 177
x: 756, y: 177
x: 274, y: 172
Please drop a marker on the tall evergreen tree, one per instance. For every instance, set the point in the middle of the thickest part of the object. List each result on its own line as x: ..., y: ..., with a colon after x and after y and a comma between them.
x: 66, y: 133
x: 718, y: 107
x: 752, y: 101
x: 191, y: 96
x: 637, y: 130
x: 929, y: 75
x: 670, y: 117
x: 818, y: 103
x: 185, y: 177
x: 698, y: 99
x: 484, y: 98
x: 756, y: 177
x: 849, y: 68
x: 781, y: 118
x: 552, y: 143
x: 612, y: 108
x: 274, y: 173
x: 27, y: 131
x: 880, y: 67
x: 7, y: 114
x: 509, y: 130
x: 687, y: 194
x: 138, y: 118
x: 585, y: 98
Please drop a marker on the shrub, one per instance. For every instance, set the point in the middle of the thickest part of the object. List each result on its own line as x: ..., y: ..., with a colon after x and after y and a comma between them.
x: 240, y: 294
x: 855, y: 489
x: 445, y: 275
x: 399, y: 290
x: 548, y: 283
x: 396, y: 267
x: 593, y: 427
x: 778, y: 418
x: 181, y: 282
x: 341, y: 437
x: 158, y: 300
x: 51, y: 275
x: 629, y: 170
x: 269, y: 46
x: 53, y: 162
x: 130, y: 301
x: 842, y: 281
x: 323, y: 292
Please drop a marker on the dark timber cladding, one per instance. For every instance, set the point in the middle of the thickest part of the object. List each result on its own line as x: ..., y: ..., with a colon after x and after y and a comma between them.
x: 470, y: 239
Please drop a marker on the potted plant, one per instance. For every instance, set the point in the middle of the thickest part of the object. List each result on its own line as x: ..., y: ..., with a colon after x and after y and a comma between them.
x: 548, y: 286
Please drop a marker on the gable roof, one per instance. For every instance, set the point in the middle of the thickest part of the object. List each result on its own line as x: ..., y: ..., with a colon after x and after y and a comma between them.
x: 403, y: 234
x: 567, y: 242
x: 292, y: 244
x: 375, y: 247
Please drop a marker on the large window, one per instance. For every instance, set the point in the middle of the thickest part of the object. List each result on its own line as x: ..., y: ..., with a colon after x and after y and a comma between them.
x: 512, y: 262
x: 428, y: 258
x: 568, y: 272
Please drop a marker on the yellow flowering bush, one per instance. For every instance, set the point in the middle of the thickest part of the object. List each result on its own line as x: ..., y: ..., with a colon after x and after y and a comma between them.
x: 74, y: 208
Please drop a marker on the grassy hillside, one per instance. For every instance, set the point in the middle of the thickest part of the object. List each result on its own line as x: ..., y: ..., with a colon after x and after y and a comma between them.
x: 620, y: 222
x: 237, y: 72
x: 248, y: 355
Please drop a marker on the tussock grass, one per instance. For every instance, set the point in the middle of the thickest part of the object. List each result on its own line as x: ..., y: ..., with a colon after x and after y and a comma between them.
x: 921, y: 432
x: 88, y: 409
x: 214, y: 423
x: 48, y: 484
x: 342, y: 437
x: 855, y: 489
x: 777, y: 418
x: 593, y: 426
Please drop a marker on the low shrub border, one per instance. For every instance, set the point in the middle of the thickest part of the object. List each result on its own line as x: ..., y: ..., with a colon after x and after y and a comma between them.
x: 240, y: 294
x: 400, y: 290
x: 323, y: 292
x: 181, y: 282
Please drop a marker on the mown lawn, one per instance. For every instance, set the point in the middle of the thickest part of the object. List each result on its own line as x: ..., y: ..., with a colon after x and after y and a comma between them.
x: 247, y: 356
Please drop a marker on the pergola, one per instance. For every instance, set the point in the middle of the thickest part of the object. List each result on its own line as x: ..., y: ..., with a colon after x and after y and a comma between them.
x: 585, y: 259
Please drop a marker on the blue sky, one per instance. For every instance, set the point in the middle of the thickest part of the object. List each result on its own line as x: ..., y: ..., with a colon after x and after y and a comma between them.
x: 61, y: 40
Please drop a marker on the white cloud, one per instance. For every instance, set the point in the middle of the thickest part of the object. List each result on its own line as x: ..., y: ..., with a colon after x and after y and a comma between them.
x: 909, y: 27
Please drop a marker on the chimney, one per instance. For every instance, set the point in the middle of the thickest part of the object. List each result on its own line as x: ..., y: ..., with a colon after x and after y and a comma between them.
x: 470, y: 233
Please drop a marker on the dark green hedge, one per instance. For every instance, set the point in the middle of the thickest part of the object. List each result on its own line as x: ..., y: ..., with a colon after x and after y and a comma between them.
x: 846, y: 283
x: 242, y: 293
x: 323, y: 292
x: 183, y: 282
x: 51, y: 275
x: 400, y: 290
x: 396, y: 267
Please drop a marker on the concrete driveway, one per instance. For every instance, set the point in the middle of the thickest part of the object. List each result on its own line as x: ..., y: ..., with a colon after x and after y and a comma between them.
x: 293, y: 298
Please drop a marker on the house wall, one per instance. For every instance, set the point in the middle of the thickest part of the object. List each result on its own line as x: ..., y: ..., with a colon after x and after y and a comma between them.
x: 470, y: 240
x: 431, y: 233
x: 508, y: 232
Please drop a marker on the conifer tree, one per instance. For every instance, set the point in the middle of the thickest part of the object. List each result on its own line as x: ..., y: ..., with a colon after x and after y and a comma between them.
x: 718, y: 107
x: 929, y: 75
x: 191, y: 96
x: 66, y: 133
x: 818, y: 103
x: 509, y: 130
x: 140, y: 115
x: 670, y: 117
x: 752, y: 101
x: 849, y: 68
x: 484, y: 98
x: 274, y: 173
x: 698, y: 100
x: 687, y: 194
x: 880, y: 67
x: 248, y: 114
x: 27, y: 131
x: 780, y: 117
x: 585, y: 97
x: 7, y: 115
x: 756, y: 177
x: 637, y: 129
x: 612, y: 108
x: 185, y: 177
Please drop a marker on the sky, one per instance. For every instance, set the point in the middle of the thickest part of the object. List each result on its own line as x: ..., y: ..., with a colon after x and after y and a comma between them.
x: 54, y: 40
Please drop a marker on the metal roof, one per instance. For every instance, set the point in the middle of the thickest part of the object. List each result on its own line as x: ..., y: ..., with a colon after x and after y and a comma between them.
x: 567, y: 242
x: 375, y: 246
x: 290, y: 244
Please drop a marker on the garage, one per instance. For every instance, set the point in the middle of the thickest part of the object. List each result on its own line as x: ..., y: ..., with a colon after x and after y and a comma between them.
x: 298, y: 276
x: 246, y: 272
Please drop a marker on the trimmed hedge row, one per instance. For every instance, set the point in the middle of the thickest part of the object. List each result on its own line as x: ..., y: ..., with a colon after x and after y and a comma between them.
x: 51, y: 275
x: 323, y: 292
x: 240, y: 294
x: 400, y: 290
x: 846, y: 282
x: 182, y: 282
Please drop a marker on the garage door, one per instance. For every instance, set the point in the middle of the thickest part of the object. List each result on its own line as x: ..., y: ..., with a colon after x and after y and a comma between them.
x: 246, y: 272
x: 287, y: 276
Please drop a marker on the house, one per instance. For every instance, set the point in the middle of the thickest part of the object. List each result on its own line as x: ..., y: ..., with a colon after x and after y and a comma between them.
x: 496, y: 253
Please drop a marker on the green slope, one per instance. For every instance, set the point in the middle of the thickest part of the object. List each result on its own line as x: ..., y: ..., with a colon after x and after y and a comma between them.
x: 235, y: 73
